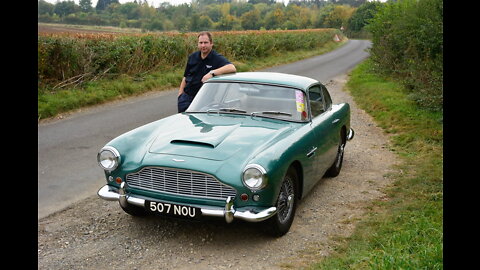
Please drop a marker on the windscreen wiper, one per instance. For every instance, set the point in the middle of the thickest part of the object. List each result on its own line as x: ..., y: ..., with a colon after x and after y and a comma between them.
x: 226, y: 110
x: 271, y: 112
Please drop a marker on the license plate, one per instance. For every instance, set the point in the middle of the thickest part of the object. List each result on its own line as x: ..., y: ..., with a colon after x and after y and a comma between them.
x: 172, y: 209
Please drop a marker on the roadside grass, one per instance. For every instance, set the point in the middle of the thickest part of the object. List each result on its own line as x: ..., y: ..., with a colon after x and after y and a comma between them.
x: 52, y: 102
x: 404, y: 231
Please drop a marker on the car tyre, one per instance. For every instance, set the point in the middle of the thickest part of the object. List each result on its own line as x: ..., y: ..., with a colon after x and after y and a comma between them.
x: 287, y: 200
x: 334, y: 170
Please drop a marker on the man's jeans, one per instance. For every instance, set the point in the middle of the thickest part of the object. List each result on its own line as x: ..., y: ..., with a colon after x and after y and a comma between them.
x: 184, y: 101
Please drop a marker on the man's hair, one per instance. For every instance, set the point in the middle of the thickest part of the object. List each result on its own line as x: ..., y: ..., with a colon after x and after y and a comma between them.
x: 203, y: 33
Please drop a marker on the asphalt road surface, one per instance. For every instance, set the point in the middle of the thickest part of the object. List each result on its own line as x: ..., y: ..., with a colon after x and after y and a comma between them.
x: 67, y: 147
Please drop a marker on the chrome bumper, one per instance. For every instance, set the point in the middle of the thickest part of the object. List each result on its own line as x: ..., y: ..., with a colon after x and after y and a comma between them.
x: 228, y: 212
x: 350, y: 134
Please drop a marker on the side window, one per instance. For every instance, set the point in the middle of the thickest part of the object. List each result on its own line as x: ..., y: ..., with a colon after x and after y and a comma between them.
x: 316, y: 100
x: 328, y: 99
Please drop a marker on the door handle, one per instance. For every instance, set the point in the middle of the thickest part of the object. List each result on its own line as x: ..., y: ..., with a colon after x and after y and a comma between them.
x: 312, y: 152
x: 335, y: 121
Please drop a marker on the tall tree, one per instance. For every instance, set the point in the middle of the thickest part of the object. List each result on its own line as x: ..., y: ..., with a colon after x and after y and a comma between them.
x: 65, y: 7
x: 339, y: 16
x: 103, y: 4
x: 45, y: 8
x: 261, y: 1
x: 251, y: 20
x: 85, y: 5
x: 274, y: 19
x: 362, y: 15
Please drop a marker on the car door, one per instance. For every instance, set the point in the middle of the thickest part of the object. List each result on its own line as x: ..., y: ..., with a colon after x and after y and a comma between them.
x: 322, y: 124
x: 334, y: 126
x: 307, y: 145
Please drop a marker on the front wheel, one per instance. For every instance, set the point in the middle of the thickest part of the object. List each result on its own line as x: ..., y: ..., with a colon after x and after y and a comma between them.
x: 281, y: 222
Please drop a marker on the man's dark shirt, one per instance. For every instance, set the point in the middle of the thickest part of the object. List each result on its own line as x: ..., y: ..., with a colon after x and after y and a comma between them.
x: 197, y: 68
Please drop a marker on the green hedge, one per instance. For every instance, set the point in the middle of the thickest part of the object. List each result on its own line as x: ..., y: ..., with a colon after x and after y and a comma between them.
x: 407, y: 40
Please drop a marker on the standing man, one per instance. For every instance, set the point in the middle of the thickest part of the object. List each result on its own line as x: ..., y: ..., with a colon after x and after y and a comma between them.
x: 201, y: 66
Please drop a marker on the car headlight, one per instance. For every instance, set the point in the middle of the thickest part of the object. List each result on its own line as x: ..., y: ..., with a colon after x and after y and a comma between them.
x: 108, y: 158
x: 254, y: 177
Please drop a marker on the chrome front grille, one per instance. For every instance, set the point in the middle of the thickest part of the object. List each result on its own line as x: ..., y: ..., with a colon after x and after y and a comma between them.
x: 182, y: 182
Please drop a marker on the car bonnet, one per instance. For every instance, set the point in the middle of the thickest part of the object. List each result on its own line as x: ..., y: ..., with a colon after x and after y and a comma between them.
x: 217, y: 136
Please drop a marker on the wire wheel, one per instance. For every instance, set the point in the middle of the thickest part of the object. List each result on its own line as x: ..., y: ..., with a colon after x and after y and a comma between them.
x: 280, y: 223
x: 286, y: 200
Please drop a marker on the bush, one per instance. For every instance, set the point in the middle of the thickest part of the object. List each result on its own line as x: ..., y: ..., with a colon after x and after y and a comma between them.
x: 408, y: 42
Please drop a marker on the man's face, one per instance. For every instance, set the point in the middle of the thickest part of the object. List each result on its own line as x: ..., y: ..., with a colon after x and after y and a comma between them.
x: 204, y: 44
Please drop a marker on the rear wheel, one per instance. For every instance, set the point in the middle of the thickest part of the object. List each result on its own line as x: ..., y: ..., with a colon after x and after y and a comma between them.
x: 334, y: 170
x: 281, y: 222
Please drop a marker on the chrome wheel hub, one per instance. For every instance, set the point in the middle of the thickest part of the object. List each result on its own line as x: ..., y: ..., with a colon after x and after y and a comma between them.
x: 285, y: 200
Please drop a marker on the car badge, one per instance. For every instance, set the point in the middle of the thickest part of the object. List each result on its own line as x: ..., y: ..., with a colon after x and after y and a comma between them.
x: 178, y: 160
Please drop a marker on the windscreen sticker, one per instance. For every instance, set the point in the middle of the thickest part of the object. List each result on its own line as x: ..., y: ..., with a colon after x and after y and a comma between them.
x: 299, y: 98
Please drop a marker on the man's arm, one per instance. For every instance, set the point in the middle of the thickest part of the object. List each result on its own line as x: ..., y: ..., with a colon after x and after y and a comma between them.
x: 229, y: 68
x: 182, y: 86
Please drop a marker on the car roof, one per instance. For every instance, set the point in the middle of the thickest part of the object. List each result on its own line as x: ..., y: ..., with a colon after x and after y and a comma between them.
x: 290, y: 80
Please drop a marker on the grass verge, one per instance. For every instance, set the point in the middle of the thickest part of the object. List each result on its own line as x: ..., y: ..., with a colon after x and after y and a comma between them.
x: 405, y: 231
x: 52, y: 102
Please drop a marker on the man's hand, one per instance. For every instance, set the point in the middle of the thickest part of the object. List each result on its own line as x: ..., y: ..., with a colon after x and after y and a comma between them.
x: 230, y: 68
x: 207, y: 77
x: 182, y: 86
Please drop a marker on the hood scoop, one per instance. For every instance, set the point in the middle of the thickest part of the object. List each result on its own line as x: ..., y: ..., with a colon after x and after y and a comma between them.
x: 192, y: 143
x: 211, y: 139
x: 196, y: 142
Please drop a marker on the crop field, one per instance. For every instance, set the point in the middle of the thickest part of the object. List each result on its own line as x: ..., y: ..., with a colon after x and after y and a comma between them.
x: 70, y: 55
x: 45, y: 28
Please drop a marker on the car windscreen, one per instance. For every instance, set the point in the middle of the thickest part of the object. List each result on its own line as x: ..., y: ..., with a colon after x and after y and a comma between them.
x: 261, y: 100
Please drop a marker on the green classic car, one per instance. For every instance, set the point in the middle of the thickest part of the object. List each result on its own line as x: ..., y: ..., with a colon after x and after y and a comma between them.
x: 250, y: 147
